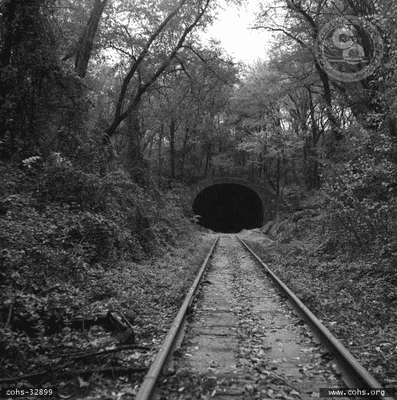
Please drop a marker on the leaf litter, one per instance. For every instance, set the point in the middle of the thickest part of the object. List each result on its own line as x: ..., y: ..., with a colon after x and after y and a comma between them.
x: 257, y: 374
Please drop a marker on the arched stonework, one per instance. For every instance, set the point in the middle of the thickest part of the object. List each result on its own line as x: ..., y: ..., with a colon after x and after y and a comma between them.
x: 268, y: 198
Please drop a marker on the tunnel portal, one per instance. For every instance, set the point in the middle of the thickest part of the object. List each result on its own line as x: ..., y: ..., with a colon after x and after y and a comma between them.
x: 229, y: 208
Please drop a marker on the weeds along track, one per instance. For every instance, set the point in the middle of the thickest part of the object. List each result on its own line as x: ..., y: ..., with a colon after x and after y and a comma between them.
x: 242, y: 334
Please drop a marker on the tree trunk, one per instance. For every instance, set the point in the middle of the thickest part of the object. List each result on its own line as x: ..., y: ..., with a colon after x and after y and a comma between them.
x: 208, y: 148
x: 172, y: 147
x: 184, y: 152
x: 278, y: 182
x: 8, y: 11
x: 123, y: 110
x: 160, y: 154
x: 310, y: 150
x: 335, y: 127
x: 133, y: 159
x: 86, y: 42
x: 312, y: 167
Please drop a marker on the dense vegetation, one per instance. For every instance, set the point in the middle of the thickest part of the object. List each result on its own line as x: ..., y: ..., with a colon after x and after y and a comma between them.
x: 108, y: 109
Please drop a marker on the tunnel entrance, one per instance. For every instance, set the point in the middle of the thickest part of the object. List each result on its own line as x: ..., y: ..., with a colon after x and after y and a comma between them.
x: 229, y: 208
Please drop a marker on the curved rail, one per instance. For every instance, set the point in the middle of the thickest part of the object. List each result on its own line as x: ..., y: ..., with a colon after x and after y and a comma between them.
x: 353, y: 373
x: 149, y: 384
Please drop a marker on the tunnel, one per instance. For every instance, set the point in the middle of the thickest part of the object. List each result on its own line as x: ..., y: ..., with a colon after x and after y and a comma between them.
x: 229, y: 208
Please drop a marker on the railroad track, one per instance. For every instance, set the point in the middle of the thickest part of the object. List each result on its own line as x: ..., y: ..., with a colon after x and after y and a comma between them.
x: 235, y: 337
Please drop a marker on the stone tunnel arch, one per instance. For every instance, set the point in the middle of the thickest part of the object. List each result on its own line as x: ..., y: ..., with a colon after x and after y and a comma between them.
x: 229, y: 204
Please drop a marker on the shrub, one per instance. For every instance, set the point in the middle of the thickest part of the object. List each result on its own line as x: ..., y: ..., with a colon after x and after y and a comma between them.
x: 362, y: 198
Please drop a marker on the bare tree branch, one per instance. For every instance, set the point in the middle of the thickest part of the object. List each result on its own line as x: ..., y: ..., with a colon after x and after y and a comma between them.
x: 120, y: 115
x: 290, y: 35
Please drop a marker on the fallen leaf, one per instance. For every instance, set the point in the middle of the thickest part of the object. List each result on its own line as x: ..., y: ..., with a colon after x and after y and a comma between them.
x: 82, y: 383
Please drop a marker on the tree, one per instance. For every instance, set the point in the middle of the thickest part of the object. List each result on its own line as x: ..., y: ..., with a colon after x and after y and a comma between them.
x: 304, y: 19
x: 186, y: 107
x: 190, y: 14
x: 28, y: 68
x: 82, y: 49
x: 303, y: 22
x: 264, y: 104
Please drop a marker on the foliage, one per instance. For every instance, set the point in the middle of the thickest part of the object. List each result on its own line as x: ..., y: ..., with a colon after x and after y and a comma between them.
x: 37, y: 93
x: 59, y: 261
x: 362, y: 192
x: 74, y: 207
x: 58, y: 221
x: 82, y: 215
x: 358, y: 309
x: 186, y: 117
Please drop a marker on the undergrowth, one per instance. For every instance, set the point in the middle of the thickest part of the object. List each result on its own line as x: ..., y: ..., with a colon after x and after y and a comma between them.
x: 352, y: 289
x: 72, y: 242
x: 339, y: 251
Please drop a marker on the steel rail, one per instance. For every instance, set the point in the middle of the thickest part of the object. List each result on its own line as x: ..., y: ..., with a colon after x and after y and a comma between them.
x: 149, y: 385
x: 354, y: 374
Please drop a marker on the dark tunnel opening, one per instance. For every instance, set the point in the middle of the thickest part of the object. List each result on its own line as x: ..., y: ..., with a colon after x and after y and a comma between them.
x: 229, y: 208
